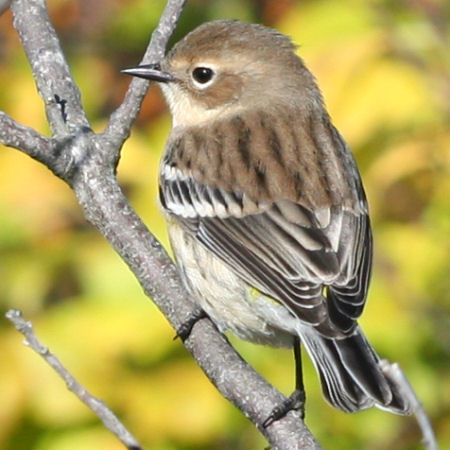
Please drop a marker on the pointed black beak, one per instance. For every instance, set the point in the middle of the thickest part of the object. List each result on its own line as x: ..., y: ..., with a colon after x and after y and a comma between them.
x: 150, y: 72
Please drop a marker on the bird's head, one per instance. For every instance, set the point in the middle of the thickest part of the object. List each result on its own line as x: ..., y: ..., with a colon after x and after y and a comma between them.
x: 223, y: 67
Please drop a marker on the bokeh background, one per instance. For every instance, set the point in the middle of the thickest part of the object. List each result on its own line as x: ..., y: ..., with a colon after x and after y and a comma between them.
x: 384, y: 68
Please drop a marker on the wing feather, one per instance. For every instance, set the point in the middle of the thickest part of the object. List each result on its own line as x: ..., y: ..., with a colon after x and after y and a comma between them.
x: 283, y: 251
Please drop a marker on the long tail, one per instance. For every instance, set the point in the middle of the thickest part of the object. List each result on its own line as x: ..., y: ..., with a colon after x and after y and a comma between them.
x: 353, y: 376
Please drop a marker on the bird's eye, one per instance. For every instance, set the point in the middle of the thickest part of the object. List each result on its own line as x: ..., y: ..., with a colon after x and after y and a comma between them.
x: 202, y: 75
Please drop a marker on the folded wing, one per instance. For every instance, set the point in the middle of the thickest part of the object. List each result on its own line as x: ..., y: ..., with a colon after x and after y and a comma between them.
x: 316, y: 263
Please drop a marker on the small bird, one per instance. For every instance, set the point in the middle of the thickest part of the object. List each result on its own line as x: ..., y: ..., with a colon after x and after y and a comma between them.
x: 265, y: 207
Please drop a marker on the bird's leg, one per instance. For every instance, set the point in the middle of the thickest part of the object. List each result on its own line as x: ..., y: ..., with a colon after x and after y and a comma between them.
x: 185, y: 328
x: 297, y: 399
x: 299, y: 386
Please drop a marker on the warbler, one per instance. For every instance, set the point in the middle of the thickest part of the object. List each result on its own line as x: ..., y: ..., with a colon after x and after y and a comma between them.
x: 265, y: 207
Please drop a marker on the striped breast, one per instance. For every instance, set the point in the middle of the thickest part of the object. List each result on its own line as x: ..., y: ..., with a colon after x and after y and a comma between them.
x: 267, y: 157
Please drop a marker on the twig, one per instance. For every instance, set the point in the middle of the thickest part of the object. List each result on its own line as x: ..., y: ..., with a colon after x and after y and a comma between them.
x: 121, y: 120
x: 394, y: 372
x: 108, y: 418
x: 24, y: 138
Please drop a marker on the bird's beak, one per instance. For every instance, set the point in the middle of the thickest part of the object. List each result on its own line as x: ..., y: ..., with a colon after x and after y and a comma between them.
x: 150, y: 72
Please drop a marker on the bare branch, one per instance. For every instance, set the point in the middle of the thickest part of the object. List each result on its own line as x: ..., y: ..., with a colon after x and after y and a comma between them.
x: 50, y: 69
x: 246, y: 389
x: 24, y: 138
x: 108, y: 418
x: 121, y: 120
x: 394, y: 372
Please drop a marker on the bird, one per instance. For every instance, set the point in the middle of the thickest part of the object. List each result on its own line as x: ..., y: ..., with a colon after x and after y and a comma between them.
x: 266, y: 211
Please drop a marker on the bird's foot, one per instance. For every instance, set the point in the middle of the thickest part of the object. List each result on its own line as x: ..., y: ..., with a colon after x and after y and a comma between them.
x: 185, y: 328
x: 296, y: 401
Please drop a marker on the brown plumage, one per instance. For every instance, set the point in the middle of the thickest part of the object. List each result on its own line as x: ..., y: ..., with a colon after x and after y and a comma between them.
x: 270, y: 157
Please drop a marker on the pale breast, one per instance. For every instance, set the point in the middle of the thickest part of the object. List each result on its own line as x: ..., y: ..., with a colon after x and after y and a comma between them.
x: 231, y: 303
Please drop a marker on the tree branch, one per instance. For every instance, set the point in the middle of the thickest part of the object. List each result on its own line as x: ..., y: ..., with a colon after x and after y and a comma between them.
x: 51, y: 72
x: 121, y: 120
x: 108, y: 418
x: 24, y: 139
x: 87, y: 162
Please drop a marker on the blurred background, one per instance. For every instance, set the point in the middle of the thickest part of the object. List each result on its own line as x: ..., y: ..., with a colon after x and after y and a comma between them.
x: 384, y: 68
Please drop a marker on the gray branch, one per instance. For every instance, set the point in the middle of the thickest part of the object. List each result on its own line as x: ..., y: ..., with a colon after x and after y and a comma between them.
x: 87, y: 162
x: 25, y: 139
x: 51, y: 72
x: 121, y: 120
x: 108, y: 418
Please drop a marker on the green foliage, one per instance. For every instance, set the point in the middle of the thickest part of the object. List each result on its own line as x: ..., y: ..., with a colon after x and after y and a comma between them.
x: 384, y: 69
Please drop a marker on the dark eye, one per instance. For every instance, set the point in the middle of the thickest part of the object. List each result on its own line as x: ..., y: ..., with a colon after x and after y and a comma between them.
x: 202, y: 74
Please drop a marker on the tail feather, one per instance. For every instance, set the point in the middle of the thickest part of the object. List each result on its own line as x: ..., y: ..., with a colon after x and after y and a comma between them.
x: 361, y: 363
x: 351, y: 373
